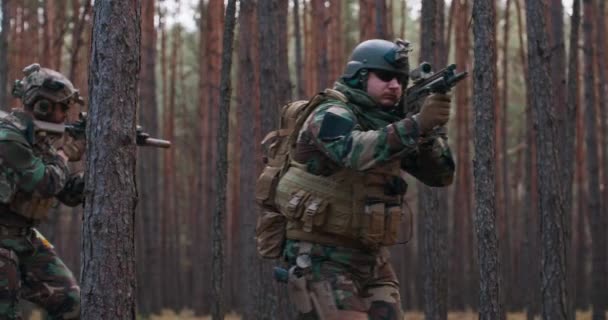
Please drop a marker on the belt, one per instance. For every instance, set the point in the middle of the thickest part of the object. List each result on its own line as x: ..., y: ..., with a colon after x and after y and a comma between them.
x: 325, y: 239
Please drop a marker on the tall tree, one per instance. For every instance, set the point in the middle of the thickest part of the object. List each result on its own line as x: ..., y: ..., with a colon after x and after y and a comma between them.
x: 431, y: 199
x: 148, y: 213
x: 484, y: 86
x: 4, y: 32
x: 552, y: 215
x: 568, y: 154
x: 502, y: 165
x: 569, y: 151
x: 108, y: 231
x: 298, y: 50
x: 462, y: 244
x: 267, y: 10
x: 217, y: 310
x: 170, y: 223
x: 320, y: 46
x: 80, y: 31
x: 367, y: 19
x: 602, y: 91
x: 248, y: 111
x: 596, y: 218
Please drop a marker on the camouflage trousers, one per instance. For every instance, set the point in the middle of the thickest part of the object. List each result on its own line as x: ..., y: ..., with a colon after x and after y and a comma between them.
x: 31, y: 270
x: 354, y: 283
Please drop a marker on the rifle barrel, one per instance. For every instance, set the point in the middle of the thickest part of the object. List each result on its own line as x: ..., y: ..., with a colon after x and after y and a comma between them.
x: 159, y: 143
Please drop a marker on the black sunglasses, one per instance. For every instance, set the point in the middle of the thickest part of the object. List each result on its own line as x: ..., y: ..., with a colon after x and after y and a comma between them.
x: 387, y: 76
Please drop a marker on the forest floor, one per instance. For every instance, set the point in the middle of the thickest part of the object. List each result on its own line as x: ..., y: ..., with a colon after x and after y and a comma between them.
x: 189, y: 315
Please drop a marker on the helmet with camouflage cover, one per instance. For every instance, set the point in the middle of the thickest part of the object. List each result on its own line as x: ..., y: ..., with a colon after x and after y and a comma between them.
x: 43, y: 83
x: 377, y: 54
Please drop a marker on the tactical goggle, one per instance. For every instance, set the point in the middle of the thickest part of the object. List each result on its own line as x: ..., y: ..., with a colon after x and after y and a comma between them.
x: 388, y: 76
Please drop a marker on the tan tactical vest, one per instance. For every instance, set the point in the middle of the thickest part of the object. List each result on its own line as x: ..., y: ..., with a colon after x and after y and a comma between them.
x: 349, y: 208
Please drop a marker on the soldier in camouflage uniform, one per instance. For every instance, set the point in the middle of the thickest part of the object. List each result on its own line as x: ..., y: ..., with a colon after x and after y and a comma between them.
x: 343, y: 192
x: 33, y: 174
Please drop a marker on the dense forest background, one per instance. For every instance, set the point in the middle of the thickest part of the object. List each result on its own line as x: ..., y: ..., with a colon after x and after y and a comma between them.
x: 531, y: 118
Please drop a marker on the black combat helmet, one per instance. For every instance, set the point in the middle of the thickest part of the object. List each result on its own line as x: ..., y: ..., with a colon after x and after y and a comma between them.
x: 378, y: 54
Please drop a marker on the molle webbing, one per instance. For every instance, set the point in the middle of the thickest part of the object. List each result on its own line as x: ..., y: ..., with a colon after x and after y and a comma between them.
x: 348, y: 208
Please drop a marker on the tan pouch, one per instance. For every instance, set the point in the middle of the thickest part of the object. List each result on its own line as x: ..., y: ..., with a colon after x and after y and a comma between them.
x: 31, y: 206
x: 394, y: 216
x: 270, y: 234
x: 372, y: 226
x: 266, y: 186
x: 296, y: 205
x: 314, y: 214
x: 298, y: 293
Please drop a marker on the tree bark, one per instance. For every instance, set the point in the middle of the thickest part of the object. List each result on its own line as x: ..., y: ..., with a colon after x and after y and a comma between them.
x: 431, y: 200
x: 598, y: 234
x: 461, y: 293
x: 4, y: 54
x: 572, y: 113
x: 484, y: 82
x: 78, y: 41
x: 217, y: 309
x: 267, y: 10
x: 553, y: 235
x: 148, y: 213
x: 111, y: 196
x: 298, y: 50
x: 249, y: 117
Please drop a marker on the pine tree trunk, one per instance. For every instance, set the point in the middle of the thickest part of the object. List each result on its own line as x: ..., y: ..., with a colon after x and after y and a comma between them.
x: 483, y: 165
x: 266, y: 300
x: 431, y: 200
x: 572, y: 113
x: 108, y: 228
x: 461, y: 250
x: 79, y: 33
x: 298, y: 50
x: 148, y: 213
x: 4, y: 54
x: 367, y: 20
x: 596, y: 218
x: 320, y: 35
x: 248, y: 105
x: 552, y: 215
x: 217, y: 309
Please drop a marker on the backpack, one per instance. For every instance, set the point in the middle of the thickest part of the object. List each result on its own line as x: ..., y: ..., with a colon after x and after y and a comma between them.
x: 271, y: 223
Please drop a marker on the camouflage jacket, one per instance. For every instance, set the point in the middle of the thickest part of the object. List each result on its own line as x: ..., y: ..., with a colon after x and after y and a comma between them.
x: 30, y: 166
x: 360, y: 136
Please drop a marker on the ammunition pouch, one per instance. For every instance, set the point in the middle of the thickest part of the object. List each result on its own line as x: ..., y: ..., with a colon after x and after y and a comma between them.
x: 348, y: 209
x: 270, y: 234
x: 31, y: 205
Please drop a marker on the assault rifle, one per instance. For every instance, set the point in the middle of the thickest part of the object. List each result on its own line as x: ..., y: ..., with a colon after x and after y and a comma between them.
x: 426, y: 82
x: 78, y: 129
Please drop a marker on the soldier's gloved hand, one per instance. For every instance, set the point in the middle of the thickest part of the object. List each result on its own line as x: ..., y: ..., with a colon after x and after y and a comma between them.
x: 434, y: 112
x: 73, y: 148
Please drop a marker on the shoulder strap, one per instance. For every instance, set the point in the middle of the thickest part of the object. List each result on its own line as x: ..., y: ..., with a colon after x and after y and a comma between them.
x: 317, y: 100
